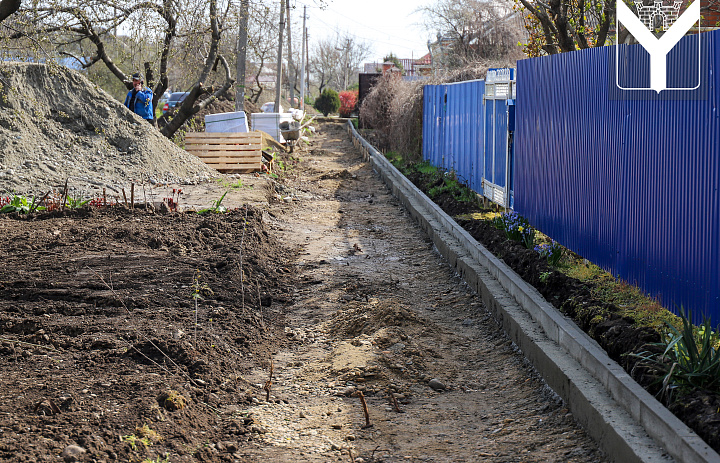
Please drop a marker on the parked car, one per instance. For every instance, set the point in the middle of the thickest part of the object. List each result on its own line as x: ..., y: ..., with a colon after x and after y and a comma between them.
x: 175, y: 99
x: 163, y: 99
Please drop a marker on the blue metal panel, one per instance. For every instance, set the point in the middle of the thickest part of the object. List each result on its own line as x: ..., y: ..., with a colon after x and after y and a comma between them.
x: 476, y: 136
x: 511, y: 148
x: 489, y: 172
x: 453, y: 119
x: 433, y: 122
x: 500, y: 143
x: 629, y: 180
x: 427, y: 124
x: 452, y: 131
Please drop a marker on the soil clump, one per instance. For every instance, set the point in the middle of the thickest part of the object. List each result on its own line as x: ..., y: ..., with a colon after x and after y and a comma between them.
x: 128, y: 333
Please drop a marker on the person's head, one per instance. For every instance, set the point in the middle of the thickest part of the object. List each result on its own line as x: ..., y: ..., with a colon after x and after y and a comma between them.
x: 137, y: 80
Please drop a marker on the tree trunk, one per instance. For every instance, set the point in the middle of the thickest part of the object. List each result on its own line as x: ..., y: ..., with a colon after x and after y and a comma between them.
x: 278, y: 80
x: 8, y: 7
x: 291, y: 70
x: 241, y: 56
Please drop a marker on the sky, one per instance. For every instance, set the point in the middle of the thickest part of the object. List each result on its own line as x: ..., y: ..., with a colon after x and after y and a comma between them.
x: 388, y: 25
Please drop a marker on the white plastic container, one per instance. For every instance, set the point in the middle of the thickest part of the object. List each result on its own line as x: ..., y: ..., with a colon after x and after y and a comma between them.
x: 269, y: 123
x: 226, y: 122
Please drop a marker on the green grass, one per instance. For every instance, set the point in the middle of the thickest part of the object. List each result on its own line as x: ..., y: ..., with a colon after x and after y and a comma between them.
x: 448, y: 181
x: 631, y: 300
x: 228, y: 185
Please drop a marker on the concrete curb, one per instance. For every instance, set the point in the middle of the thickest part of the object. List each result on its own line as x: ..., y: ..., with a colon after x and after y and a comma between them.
x: 629, y: 424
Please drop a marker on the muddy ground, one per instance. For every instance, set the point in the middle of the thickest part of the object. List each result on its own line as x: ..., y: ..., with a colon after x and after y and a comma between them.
x: 619, y: 335
x: 140, y: 336
x: 97, y: 322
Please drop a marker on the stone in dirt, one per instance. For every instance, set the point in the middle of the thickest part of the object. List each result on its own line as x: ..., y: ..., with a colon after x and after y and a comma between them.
x: 72, y: 452
x: 436, y: 384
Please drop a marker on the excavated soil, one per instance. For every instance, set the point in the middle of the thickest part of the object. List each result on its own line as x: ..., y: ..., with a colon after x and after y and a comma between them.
x: 55, y: 125
x: 130, y: 335
x: 99, y: 325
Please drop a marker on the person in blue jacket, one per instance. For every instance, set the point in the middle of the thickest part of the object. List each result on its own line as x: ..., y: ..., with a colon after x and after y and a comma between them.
x: 139, y: 99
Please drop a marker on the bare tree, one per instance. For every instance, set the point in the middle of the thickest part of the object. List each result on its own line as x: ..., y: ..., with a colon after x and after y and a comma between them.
x: 330, y: 57
x: 262, y: 45
x: 191, y: 105
x: 559, y: 26
x: 473, y: 30
x: 325, y: 62
x: 91, y: 31
x: 130, y: 36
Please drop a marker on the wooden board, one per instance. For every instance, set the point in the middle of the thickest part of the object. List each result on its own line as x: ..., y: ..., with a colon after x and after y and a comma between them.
x: 227, y: 152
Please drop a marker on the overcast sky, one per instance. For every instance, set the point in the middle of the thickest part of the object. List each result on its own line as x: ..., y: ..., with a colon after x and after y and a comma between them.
x: 388, y: 25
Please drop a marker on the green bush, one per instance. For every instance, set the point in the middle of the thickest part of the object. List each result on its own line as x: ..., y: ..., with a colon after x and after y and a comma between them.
x: 690, y: 359
x: 328, y: 102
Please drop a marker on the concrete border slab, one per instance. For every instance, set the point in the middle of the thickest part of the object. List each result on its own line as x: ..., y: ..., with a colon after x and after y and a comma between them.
x: 629, y: 424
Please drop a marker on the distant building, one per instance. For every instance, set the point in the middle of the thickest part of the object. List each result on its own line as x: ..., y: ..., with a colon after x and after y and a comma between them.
x: 267, y: 78
x: 440, y: 51
x: 411, y: 67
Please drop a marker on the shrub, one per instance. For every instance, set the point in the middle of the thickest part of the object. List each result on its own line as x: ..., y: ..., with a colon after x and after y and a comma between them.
x: 394, y: 108
x: 328, y: 102
x: 348, y: 102
x: 690, y: 359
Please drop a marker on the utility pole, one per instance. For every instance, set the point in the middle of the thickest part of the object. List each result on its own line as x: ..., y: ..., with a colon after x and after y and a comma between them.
x: 278, y: 80
x: 241, y: 56
x: 307, y: 59
x: 302, y: 60
x: 347, y: 50
x: 291, y: 70
x: 347, y: 70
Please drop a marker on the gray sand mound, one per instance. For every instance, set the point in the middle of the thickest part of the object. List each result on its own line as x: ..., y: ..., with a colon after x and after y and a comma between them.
x: 57, y: 125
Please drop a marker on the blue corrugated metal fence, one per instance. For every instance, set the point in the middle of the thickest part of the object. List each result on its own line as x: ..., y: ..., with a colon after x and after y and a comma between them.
x: 629, y: 181
x: 453, y: 132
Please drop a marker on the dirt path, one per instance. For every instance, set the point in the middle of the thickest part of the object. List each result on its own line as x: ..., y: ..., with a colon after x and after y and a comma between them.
x: 379, y: 312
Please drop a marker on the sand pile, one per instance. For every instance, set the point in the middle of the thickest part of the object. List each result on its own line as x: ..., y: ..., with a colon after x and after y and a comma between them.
x: 57, y: 125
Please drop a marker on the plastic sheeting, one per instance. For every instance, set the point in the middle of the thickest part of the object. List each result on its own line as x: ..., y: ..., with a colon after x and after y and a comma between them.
x: 270, y: 123
x: 226, y: 122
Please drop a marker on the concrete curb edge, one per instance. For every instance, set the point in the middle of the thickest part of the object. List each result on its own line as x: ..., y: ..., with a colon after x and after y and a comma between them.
x: 616, y: 416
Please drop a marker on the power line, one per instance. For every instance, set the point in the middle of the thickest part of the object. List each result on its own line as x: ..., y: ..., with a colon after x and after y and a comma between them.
x: 384, y: 32
x: 374, y: 40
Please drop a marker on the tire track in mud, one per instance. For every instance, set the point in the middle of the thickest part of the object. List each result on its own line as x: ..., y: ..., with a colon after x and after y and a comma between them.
x: 379, y: 311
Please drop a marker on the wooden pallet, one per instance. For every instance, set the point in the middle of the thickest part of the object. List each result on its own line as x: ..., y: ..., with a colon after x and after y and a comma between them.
x: 229, y: 153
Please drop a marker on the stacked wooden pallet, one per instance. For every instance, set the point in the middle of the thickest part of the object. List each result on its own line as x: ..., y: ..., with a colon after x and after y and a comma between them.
x: 229, y: 153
